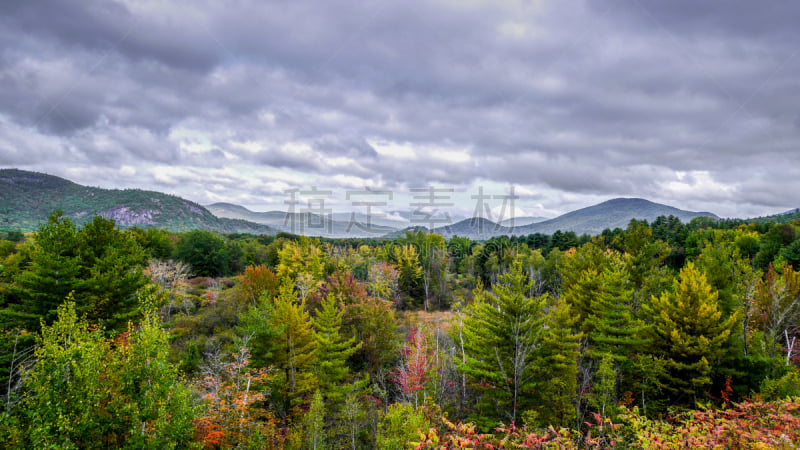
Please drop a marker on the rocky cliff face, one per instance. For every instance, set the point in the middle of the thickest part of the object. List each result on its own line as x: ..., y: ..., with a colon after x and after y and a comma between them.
x: 126, y: 217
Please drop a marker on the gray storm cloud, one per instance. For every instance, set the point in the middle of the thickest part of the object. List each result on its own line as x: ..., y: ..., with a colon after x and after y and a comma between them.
x: 689, y: 103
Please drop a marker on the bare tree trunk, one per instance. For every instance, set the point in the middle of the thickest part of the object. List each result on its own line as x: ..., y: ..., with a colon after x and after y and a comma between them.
x: 463, y: 358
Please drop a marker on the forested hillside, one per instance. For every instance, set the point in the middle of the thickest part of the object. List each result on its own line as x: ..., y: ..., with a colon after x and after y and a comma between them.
x: 658, y: 335
x: 27, y: 198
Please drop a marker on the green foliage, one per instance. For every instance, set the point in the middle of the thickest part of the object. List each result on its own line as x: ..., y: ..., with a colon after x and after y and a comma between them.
x: 579, y: 270
x: 150, y: 395
x: 82, y: 392
x: 260, y: 326
x: 310, y: 332
x: 314, y: 424
x: 564, y: 240
x: 409, y: 270
x: 644, y: 256
x: 53, y: 274
x: 111, y: 273
x: 791, y: 253
x: 460, y: 249
x: 785, y: 387
x: 349, y: 428
x: 400, y: 427
x: 612, y: 331
x: 689, y: 330
x: 205, y: 252
x: 433, y: 262
x: 604, y: 392
x: 561, y: 350
x: 158, y: 244
x: 373, y: 323
x: 719, y: 261
x: 29, y: 197
x: 777, y: 304
x: 333, y: 350
x: 301, y: 259
x: 100, y: 266
x: 294, y: 355
x: 502, y: 338
x: 771, y: 243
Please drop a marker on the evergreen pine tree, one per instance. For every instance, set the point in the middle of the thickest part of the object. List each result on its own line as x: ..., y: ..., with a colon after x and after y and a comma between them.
x: 294, y: 352
x: 561, y: 349
x: 100, y: 265
x: 111, y: 274
x: 580, y: 296
x: 259, y: 326
x: 613, y: 331
x: 51, y: 277
x: 688, y: 329
x: 580, y: 271
x: 333, y: 350
x: 502, y: 338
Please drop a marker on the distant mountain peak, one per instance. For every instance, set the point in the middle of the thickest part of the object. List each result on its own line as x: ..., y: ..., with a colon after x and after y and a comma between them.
x: 613, y: 213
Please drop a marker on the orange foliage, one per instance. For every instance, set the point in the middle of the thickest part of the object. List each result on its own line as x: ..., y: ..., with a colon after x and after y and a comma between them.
x: 232, y: 396
x: 256, y: 281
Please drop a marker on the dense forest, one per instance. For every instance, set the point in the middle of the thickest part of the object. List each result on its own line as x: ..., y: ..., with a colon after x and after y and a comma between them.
x: 660, y: 335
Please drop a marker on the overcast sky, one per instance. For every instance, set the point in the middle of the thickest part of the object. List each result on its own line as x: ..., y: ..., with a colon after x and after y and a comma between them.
x: 693, y: 104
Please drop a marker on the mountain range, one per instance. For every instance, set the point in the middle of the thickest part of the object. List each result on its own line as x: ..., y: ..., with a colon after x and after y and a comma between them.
x: 309, y: 223
x: 27, y: 198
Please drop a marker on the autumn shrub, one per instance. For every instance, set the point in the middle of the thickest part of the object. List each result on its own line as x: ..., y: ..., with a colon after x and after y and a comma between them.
x: 784, y: 387
x: 400, y: 426
x: 750, y: 424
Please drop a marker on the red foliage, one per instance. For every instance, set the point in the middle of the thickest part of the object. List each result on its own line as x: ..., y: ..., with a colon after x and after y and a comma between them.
x: 122, y: 339
x: 726, y: 393
x: 345, y: 288
x: 773, y: 425
x: 413, y: 374
x: 209, y: 432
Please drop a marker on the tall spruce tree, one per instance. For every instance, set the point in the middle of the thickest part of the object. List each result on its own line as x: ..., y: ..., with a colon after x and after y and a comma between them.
x: 111, y: 273
x: 333, y: 350
x: 100, y: 266
x: 612, y: 330
x: 502, y: 339
x: 295, y: 353
x: 261, y: 329
x: 52, y: 275
x: 560, y: 351
x: 580, y: 269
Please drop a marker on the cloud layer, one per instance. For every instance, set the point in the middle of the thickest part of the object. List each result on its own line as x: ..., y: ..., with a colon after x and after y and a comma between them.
x: 688, y: 103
